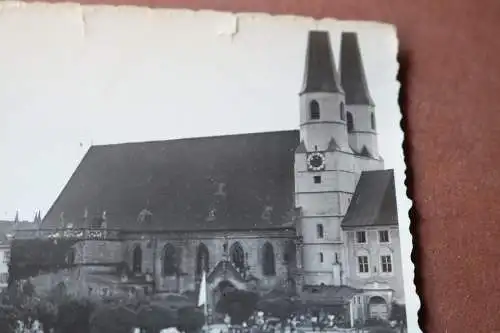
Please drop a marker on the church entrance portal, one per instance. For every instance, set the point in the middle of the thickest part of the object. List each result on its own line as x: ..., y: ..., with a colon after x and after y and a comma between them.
x: 378, y: 308
x: 218, y: 291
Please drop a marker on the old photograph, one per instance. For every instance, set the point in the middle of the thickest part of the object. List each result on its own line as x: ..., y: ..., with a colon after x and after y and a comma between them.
x: 173, y: 171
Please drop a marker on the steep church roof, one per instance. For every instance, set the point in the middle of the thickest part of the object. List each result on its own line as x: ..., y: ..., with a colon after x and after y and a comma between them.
x: 320, y: 73
x: 373, y: 202
x: 209, y: 183
x: 352, y: 72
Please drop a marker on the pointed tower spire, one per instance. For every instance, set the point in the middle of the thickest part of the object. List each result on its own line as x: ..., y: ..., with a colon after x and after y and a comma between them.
x: 352, y: 72
x: 320, y: 73
x: 16, y: 218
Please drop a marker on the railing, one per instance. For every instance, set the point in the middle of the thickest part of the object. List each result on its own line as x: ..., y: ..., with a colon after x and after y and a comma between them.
x: 67, y: 233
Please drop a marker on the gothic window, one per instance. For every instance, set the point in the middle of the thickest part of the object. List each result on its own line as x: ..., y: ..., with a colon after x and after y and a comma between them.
x: 237, y: 256
x: 372, y: 118
x: 319, y: 231
x: 342, y: 111
x: 314, y: 110
x: 169, y: 260
x: 321, y: 257
x: 268, y: 262
x: 70, y: 257
x: 202, y: 259
x: 290, y: 253
x: 137, y: 259
x: 350, y: 122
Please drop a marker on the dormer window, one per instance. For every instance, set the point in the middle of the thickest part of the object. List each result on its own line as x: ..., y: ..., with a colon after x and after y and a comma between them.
x: 350, y: 122
x: 145, y: 216
x: 314, y: 110
x: 266, y: 214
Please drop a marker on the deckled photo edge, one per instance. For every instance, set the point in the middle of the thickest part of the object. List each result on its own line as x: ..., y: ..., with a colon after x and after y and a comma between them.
x: 404, y: 203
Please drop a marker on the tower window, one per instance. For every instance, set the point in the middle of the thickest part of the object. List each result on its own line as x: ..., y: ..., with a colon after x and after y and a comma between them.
x: 321, y: 257
x: 342, y: 111
x: 317, y: 179
x: 372, y: 118
x: 337, y: 260
x: 314, y: 110
x: 319, y: 231
x: 350, y: 122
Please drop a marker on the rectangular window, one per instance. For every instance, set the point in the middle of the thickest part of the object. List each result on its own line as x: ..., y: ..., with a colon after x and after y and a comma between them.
x: 386, y: 264
x: 360, y: 237
x: 6, y: 257
x: 317, y: 179
x: 4, y: 277
x: 319, y: 231
x: 383, y: 236
x: 363, y: 264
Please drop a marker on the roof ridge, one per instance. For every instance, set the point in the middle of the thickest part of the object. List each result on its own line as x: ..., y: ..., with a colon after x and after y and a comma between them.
x: 206, y: 137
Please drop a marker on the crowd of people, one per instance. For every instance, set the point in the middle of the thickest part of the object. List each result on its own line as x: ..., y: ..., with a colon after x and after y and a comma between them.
x: 259, y: 322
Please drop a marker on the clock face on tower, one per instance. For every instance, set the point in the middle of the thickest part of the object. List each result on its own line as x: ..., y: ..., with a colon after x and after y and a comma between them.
x: 316, y: 161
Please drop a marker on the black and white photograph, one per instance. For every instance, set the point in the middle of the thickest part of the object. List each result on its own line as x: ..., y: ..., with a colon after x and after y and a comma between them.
x: 179, y: 171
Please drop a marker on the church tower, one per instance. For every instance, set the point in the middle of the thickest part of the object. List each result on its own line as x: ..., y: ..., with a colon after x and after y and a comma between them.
x: 360, y: 109
x: 324, y: 163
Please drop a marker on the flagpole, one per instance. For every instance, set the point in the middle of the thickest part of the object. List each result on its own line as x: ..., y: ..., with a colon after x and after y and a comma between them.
x: 202, y: 297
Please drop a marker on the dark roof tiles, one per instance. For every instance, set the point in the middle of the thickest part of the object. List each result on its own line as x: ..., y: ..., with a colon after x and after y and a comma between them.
x: 179, y: 182
x: 320, y: 74
x: 352, y: 72
x: 373, y: 202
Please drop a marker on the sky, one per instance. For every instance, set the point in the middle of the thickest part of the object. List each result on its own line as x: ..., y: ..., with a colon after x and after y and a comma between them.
x: 73, y: 77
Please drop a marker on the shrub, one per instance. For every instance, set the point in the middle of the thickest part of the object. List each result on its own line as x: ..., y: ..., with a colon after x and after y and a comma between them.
x: 190, y: 320
x: 238, y: 304
x: 73, y: 316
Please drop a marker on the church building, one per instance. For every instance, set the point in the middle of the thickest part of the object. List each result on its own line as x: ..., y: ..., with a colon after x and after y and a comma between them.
x: 310, y: 210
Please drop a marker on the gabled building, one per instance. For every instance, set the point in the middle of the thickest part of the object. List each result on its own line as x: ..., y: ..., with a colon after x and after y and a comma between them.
x: 312, y: 209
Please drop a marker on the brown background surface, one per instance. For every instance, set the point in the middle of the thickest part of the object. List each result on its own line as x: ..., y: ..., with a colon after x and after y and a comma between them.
x: 450, y: 57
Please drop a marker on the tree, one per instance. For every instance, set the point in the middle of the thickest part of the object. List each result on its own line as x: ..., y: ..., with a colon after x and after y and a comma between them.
x: 190, y: 320
x: 8, y: 318
x: 238, y: 304
x: 73, y: 316
x: 46, y: 313
x: 398, y: 314
x: 30, y: 257
x: 280, y: 307
x: 112, y: 318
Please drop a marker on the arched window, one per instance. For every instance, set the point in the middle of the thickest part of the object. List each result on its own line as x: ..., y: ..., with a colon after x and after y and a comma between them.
x: 268, y: 264
x: 372, y: 118
x: 321, y: 257
x: 350, y: 122
x: 314, y: 110
x: 342, y: 111
x: 319, y: 231
x: 202, y: 259
x: 237, y: 256
x: 137, y: 259
x: 70, y: 257
x: 169, y: 260
x: 290, y: 253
